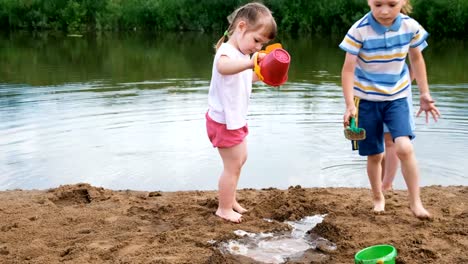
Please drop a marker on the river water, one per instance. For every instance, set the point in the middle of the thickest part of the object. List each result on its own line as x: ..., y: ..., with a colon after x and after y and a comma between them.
x: 127, y: 112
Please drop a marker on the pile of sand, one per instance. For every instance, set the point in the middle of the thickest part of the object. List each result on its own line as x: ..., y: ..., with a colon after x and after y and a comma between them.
x: 85, y: 224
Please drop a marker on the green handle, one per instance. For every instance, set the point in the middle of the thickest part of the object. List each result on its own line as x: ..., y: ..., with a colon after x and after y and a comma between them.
x: 353, y: 128
x: 352, y: 123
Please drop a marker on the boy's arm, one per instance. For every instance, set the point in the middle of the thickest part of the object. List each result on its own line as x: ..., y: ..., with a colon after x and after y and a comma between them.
x: 347, y: 82
x: 418, y: 68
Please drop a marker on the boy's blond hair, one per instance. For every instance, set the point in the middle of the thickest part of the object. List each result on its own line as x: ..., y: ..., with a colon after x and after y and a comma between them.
x: 407, y: 8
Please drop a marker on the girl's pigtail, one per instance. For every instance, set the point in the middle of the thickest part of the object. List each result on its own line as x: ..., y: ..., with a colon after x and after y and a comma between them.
x: 221, y: 40
x: 231, y: 18
x: 407, y: 8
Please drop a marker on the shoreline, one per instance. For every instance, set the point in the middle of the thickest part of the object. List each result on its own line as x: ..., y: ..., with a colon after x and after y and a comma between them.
x: 81, y: 223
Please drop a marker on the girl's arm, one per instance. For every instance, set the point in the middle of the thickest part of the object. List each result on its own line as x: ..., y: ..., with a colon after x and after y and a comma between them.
x: 228, y: 66
x: 347, y: 82
x: 255, y: 77
x: 418, y: 68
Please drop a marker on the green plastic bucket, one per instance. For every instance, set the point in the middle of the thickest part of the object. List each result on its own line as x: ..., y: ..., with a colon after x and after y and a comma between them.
x: 378, y: 254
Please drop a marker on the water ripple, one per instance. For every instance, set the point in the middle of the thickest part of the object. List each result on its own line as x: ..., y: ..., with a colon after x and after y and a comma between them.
x: 151, y: 134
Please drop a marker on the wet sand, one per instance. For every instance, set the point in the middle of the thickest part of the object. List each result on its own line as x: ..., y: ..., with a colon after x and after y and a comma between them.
x: 86, y: 224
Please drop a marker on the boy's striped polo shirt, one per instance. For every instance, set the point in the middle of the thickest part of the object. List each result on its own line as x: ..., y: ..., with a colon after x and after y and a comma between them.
x: 381, y: 72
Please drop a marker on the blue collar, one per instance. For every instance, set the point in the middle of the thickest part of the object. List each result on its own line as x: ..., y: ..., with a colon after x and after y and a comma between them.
x: 379, y: 28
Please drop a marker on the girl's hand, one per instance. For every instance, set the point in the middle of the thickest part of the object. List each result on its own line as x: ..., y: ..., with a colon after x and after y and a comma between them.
x: 259, y: 57
x: 350, y: 111
x: 427, y: 104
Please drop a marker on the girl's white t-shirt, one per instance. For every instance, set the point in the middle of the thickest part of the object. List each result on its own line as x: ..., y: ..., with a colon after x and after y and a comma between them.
x: 229, y: 95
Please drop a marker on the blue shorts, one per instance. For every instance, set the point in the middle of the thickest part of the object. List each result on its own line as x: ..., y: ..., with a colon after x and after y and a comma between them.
x: 411, y: 115
x: 372, y: 115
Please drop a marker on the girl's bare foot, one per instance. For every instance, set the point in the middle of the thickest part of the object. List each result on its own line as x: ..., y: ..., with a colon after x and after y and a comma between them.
x: 229, y: 215
x: 386, y: 188
x: 379, y: 203
x: 238, y: 208
x: 420, y: 212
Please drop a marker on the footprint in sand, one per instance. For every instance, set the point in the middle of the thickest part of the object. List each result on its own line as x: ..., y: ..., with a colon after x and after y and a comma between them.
x: 129, y: 250
x: 101, y: 245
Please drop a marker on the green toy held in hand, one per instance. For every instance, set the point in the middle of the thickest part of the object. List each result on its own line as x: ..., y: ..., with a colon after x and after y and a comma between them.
x: 352, y: 132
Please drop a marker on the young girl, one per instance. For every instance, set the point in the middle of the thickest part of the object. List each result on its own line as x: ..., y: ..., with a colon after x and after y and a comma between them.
x: 251, y: 26
x: 376, y: 82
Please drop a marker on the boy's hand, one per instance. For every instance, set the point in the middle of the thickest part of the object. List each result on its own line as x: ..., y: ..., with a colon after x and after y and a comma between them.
x: 427, y: 104
x: 350, y: 111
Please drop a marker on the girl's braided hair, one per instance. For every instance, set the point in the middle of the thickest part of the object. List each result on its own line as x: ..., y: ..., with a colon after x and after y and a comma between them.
x: 252, y: 14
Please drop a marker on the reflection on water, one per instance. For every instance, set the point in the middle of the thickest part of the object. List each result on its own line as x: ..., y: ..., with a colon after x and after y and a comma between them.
x: 127, y: 112
x: 279, y: 247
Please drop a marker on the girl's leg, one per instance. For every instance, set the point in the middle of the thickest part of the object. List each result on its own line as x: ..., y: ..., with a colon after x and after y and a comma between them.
x: 235, y: 205
x: 391, y: 163
x: 233, y: 159
x: 374, y: 172
x: 410, y: 171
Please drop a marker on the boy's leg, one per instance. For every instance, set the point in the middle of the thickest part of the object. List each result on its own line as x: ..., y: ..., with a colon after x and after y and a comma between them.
x: 399, y: 124
x: 370, y: 119
x: 374, y: 172
x: 391, y: 163
x: 233, y: 159
x: 410, y: 171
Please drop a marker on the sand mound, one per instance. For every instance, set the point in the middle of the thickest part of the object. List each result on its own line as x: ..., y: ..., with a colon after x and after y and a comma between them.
x: 85, y: 224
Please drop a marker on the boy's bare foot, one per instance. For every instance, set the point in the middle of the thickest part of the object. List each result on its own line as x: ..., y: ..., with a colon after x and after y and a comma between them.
x: 379, y: 203
x: 229, y: 215
x: 420, y: 212
x: 238, y: 208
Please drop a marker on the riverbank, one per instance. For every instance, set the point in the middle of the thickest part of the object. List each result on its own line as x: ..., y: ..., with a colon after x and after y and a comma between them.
x: 86, y: 224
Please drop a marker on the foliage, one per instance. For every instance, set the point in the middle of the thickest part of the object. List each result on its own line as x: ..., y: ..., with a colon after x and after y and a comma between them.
x: 446, y: 18
x: 440, y: 17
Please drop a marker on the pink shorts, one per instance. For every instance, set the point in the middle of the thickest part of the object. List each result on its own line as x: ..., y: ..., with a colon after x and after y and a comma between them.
x: 221, y: 137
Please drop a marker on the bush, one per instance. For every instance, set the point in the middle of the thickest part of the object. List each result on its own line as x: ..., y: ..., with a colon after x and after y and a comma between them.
x: 447, y: 18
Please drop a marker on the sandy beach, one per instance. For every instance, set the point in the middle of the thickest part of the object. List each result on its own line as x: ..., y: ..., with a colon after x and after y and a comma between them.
x: 81, y: 223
